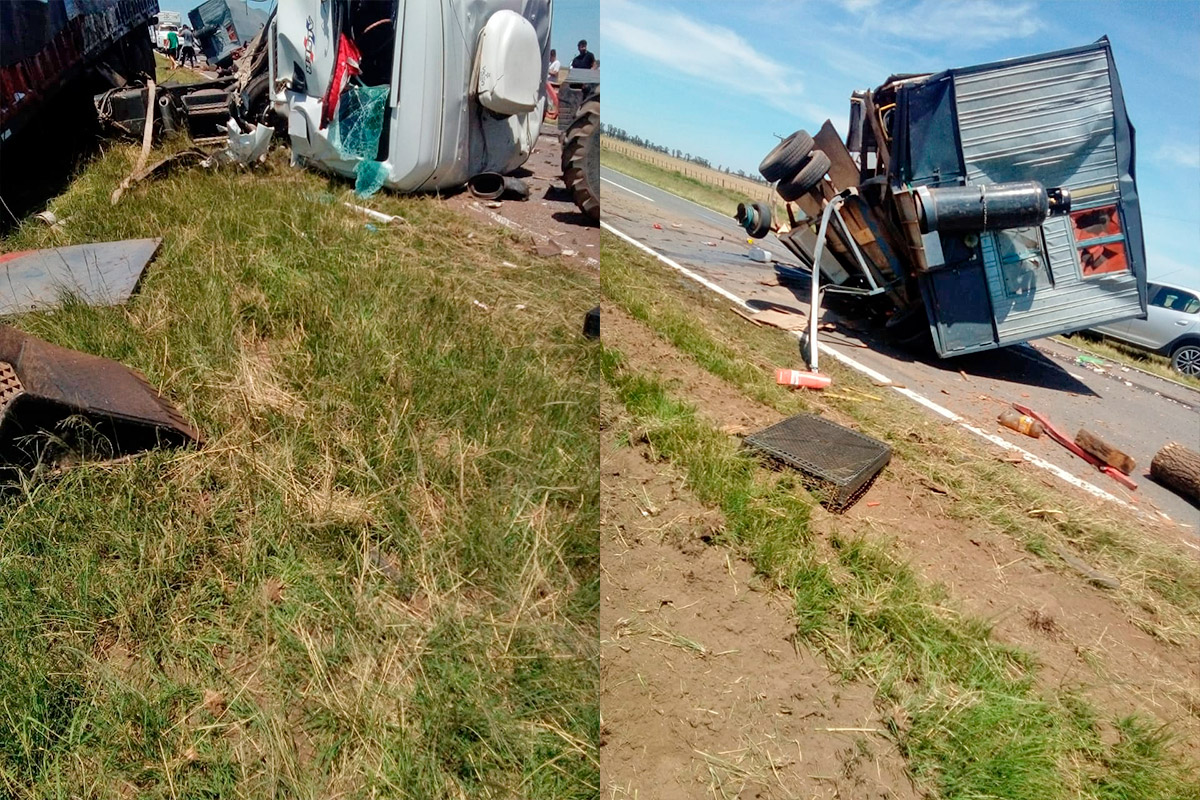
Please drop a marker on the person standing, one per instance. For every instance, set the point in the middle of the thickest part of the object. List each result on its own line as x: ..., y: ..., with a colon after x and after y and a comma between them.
x: 187, y: 50
x: 585, y: 60
x: 172, y: 46
x: 554, y: 68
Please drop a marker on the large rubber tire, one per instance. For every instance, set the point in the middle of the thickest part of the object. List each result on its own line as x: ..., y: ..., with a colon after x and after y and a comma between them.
x: 581, y: 158
x: 1185, y: 359
x: 764, y: 221
x: 787, y: 157
x: 810, y: 175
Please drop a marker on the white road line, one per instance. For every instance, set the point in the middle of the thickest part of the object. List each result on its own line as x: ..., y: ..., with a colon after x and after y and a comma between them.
x: 879, y: 377
x: 783, y: 258
x: 626, y: 188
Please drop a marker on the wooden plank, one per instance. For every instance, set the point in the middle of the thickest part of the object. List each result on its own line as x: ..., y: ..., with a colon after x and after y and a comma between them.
x: 1104, y: 451
x: 778, y: 318
x: 843, y: 171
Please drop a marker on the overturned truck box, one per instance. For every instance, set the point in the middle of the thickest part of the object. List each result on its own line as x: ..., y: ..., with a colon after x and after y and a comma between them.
x: 424, y: 95
x: 996, y: 203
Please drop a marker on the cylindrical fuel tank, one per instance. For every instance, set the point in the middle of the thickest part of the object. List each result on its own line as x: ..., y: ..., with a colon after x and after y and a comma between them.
x: 1017, y: 204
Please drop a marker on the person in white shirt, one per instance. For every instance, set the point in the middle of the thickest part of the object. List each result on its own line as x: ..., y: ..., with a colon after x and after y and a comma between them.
x: 552, y: 72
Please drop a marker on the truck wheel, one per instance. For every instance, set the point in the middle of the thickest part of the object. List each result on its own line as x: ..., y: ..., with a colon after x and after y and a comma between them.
x: 809, y: 176
x: 581, y: 158
x: 787, y: 157
x: 1185, y: 359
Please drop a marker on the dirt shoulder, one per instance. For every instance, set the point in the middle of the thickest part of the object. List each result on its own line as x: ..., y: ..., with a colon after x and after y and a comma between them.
x: 704, y: 691
x: 1079, y: 636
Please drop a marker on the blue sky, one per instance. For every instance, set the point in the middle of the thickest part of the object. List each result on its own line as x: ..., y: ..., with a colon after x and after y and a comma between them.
x: 721, y: 79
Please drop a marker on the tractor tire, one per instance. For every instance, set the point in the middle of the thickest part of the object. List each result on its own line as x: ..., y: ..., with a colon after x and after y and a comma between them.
x: 786, y: 159
x: 809, y: 176
x: 581, y: 158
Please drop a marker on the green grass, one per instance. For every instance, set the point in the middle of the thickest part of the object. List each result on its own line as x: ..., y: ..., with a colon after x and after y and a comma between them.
x: 379, y: 575
x: 1161, y: 587
x: 718, y: 198
x: 165, y: 73
x: 1128, y: 355
x: 964, y: 710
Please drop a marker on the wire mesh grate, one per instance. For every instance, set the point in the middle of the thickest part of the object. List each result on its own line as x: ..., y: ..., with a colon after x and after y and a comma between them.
x: 842, y: 462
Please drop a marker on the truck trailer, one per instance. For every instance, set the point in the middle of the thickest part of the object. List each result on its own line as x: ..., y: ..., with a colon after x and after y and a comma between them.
x: 978, y: 207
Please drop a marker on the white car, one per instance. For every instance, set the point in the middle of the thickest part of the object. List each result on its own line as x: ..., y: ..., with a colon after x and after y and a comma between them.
x: 1171, y: 327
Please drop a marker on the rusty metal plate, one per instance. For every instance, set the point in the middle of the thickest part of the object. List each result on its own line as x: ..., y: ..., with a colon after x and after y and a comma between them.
x: 42, y: 385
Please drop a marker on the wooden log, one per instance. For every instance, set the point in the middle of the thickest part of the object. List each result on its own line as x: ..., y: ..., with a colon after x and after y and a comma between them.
x: 1104, y: 451
x: 1178, y: 468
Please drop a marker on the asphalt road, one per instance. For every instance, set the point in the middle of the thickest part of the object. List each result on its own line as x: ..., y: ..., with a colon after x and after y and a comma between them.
x: 1132, y: 410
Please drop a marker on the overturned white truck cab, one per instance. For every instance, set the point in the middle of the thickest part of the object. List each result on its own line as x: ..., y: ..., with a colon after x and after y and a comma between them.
x: 423, y: 94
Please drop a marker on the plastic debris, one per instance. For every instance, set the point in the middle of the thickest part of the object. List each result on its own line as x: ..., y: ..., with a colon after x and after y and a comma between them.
x: 246, y: 147
x: 802, y: 379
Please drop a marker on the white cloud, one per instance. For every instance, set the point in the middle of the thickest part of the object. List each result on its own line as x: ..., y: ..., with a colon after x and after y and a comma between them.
x: 966, y: 22
x: 712, y: 54
x: 1178, y: 154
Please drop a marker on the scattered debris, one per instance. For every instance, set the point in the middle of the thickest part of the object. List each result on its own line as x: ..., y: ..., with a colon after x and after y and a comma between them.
x: 43, y: 386
x: 779, y: 318
x: 100, y: 274
x: 745, y: 316
x: 246, y: 147
x: 478, y: 304
x: 591, y: 323
x: 711, y: 244
x: 841, y: 463
x: 1021, y: 423
x: 378, y: 216
x: 1084, y: 360
x: 756, y: 253
x: 1062, y: 439
x: 1178, y: 468
x: 797, y: 378
x: 1082, y: 567
x: 494, y: 186
x: 657, y: 227
x: 1104, y: 451
x: 51, y: 219
x: 160, y: 168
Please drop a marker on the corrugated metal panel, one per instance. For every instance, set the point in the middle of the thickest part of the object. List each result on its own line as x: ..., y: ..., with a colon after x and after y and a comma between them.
x: 1072, y: 303
x: 1049, y: 120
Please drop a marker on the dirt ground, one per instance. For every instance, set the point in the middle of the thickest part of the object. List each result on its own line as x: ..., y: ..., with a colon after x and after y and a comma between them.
x: 704, y: 693
x: 549, y: 219
x: 1080, y: 636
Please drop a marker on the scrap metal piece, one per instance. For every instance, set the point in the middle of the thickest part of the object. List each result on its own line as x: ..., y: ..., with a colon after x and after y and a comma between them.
x: 42, y: 385
x: 840, y: 462
x: 100, y: 274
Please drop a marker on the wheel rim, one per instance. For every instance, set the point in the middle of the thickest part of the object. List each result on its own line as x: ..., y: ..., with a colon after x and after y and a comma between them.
x: 1187, y: 360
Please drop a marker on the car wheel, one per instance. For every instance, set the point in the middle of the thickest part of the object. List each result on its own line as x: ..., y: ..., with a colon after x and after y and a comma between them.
x: 787, y: 156
x: 1185, y: 359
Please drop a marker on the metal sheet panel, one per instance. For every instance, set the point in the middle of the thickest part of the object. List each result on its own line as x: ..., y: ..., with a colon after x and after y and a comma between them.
x: 1051, y: 119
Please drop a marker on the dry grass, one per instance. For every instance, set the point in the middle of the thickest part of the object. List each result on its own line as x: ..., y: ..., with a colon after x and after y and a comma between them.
x: 378, y: 577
